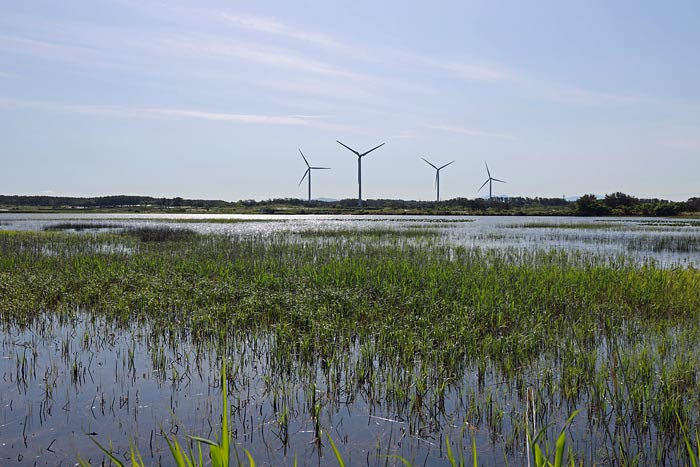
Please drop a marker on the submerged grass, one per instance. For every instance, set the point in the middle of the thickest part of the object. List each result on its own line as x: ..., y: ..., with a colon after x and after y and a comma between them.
x: 373, y: 233
x: 161, y: 233
x: 82, y: 226
x: 219, y: 451
x: 596, y: 225
x: 426, y: 330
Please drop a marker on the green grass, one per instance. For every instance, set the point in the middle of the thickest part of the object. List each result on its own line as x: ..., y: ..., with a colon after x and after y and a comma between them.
x: 161, y: 233
x: 82, y: 226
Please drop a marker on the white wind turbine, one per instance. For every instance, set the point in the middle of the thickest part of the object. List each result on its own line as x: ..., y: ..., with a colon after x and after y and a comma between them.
x: 308, y: 172
x: 489, y: 180
x: 437, y: 174
x: 359, y: 168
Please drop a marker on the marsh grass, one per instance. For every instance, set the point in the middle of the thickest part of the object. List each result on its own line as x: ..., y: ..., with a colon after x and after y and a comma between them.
x: 674, y: 224
x: 161, y: 234
x: 216, y: 220
x: 432, y: 333
x: 597, y: 225
x: 373, y: 233
x: 608, y: 224
x: 82, y: 226
x: 675, y: 243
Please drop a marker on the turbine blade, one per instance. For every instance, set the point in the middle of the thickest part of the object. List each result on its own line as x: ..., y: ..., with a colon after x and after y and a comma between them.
x: 487, y: 169
x: 302, y: 155
x: 445, y: 165
x: 488, y: 180
x: 349, y: 148
x: 305, y: 174
x: 497, y: 180
x: 321, y: 168
x: 428, y: 162
x: 363, y: 155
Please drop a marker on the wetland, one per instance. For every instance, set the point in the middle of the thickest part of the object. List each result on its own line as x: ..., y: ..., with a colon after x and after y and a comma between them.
x: 391, y: 336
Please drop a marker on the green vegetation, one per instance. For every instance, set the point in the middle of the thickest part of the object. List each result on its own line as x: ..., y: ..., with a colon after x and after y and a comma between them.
x: 436, y: 334
x: 571, y: 225
x: 619, y: 204
x: 82, y: 226
x: 155, y: 233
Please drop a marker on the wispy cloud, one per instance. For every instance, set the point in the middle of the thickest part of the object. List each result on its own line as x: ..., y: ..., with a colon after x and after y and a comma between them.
x: 315, y: 121
x: 397, y: 71
x: 469, y: 131
x: 11, y: 103
x: 577, y: 95
x: 274, y: 27
x: 40, y: 47
x: 474, y: 71
x: 264, y: 25
x: 404, y: 134
x: 318, y: 87
x: 254, y: 52
x: 294, y: 120
x: 464, y: 69
x: 319, y: 121
x: 471, y: 71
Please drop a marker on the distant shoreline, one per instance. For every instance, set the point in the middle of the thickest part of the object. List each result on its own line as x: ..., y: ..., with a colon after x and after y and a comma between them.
x: 616, y: 204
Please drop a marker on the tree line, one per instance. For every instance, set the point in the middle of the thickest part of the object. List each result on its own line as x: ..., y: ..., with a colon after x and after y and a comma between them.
x: 614, y: 204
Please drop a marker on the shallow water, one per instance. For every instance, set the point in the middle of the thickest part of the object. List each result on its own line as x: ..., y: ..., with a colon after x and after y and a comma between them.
x: 667, y: 242
x: 63, y: 381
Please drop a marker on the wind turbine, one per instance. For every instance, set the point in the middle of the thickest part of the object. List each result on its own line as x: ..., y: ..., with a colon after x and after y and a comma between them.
x: 308, y: 172
x: 437, y: 174
x: 359, y: 168
x: 489, y: 180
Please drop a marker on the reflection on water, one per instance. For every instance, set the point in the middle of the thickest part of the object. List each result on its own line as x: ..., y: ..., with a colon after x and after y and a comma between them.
x: 65, y: 379
x: 667, y: 242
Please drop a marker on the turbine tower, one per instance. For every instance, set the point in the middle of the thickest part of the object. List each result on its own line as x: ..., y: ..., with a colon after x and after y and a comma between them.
x: 359, y: 168
x: 489, y: 180
x: 308, y: 172
x: 437, y: 175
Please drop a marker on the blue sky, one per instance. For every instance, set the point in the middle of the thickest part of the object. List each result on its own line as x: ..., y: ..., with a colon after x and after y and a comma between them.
x: 211, y: 99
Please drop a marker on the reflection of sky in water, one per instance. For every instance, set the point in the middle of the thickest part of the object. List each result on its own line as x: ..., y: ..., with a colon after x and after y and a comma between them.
x: 668, y: 242
x: 63, y: 381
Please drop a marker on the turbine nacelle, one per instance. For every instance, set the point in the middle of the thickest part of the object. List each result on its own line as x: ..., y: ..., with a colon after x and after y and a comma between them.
x: 357, y: 153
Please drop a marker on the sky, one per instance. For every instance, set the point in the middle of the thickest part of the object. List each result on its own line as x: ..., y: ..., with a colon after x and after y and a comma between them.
x: 213, y: 99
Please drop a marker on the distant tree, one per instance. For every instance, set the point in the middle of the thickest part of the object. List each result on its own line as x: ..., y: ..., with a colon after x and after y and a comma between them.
x: 589, y: 205
x: 618, y: 199
x: 693, y: 205
x: 662, y: 209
